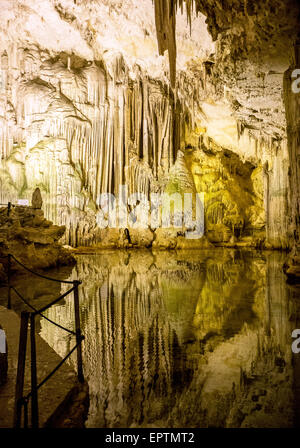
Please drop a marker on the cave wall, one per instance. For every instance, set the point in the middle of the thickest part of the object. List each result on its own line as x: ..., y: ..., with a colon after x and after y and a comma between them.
x: 292, y: 104
x: 77, y: 129
x: 82, y: 115
x: 254, y: 48
x: 77, y: 119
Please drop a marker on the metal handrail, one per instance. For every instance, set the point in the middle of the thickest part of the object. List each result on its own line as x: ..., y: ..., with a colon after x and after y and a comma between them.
x: 69, y: 282
x: 45, y: 308
x: 21, y: 401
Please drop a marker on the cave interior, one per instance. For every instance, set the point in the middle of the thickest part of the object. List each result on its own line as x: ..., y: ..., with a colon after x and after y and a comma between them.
x: 162, y: 97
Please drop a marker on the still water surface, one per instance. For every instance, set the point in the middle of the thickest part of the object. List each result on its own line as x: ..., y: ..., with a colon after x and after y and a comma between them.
x: 186, y: 339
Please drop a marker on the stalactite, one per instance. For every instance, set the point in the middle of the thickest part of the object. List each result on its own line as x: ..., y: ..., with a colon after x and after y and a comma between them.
x: 89, y: 130
x: 165, y: 20
x: 91, y: 126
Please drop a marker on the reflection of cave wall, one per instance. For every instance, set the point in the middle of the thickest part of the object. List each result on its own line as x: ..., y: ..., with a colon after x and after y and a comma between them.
x: 133, y: 335
x: 166, y: 338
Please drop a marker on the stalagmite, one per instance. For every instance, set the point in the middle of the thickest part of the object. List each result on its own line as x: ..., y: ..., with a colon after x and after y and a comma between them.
x: 36, y: 200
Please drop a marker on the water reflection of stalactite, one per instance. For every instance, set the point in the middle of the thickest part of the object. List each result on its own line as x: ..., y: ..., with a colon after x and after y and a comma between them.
x: 137, y: 345
x: 132, y: 353
x: 183, y: 340
x: 226, y: 299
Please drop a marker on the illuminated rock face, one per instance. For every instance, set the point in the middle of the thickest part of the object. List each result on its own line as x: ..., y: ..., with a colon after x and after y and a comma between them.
x: 254, y: 48
x: 86, y: 105
x: 93, y: 135
x: 233, y: 195
x: 32, y: 239
x: 292, y: 103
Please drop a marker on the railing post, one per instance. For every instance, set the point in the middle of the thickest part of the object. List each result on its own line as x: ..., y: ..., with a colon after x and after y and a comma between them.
x: 34, y: 391
x: 76, y: 284
x: 26, y: 414
x: 8, y: 281
x: 21, y: 369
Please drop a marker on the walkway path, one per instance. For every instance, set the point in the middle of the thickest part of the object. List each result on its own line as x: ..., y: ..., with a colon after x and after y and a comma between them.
x: 52, y: 393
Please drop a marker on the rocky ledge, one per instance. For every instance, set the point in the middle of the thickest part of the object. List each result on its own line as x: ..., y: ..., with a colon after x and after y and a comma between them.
x: 32, y: 239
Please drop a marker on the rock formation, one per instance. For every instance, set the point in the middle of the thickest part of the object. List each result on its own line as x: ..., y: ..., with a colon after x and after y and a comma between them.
x: 292, y: 104
x: 36, y: 201
x: 32, y: 239
x: 106, y: 106
x: 164, y: 97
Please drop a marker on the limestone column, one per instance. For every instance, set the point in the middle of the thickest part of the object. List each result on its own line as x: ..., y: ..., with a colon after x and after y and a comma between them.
x: 292, y: 106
